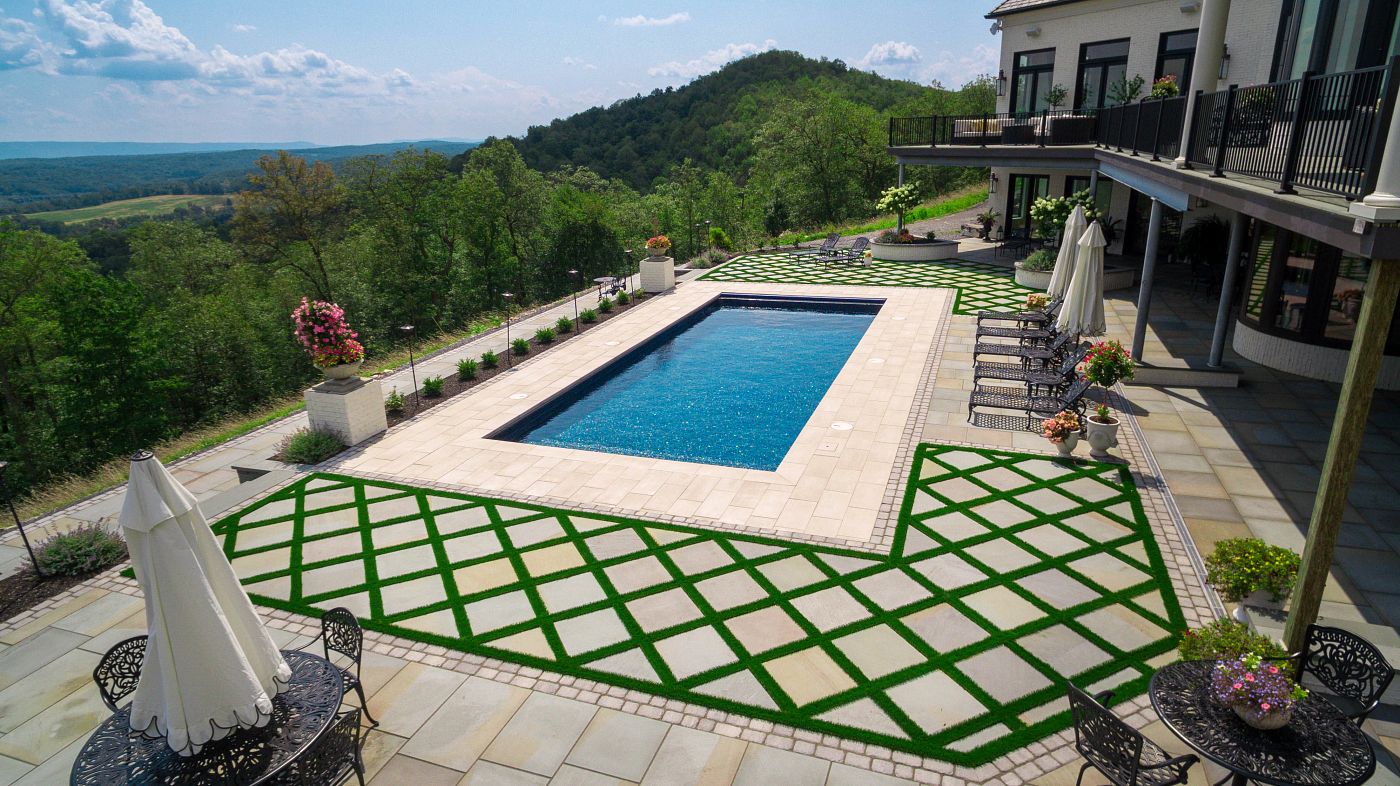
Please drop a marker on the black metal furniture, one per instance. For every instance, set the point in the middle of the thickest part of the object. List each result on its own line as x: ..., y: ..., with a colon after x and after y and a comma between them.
x: 1028, y: 353
x: 332, y: 758
x: 114, y: 754
x: 341, y: 634
x: 1318, y: 747
x: 1051, y: 377
x: 1029, y: 401
x: 1025, y: 318
x: 119, y: 670
x: 852, y: 254
x: 1118, y: 750
x: 1352, y: 668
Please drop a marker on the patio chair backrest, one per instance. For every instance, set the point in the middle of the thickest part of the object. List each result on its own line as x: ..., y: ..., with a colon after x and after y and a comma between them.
x: 119, y: 671
x: 859, y: 245
x: 1059, y: 342
x: 1076, y: 392
x: 341, y: 633
x: 332, y: 756
x: 1104, y: 739
x: 1072, y: 360
x: 1346, y: 663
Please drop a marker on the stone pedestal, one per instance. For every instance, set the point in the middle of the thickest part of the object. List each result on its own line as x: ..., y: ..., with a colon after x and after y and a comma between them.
x: 352, y: 409
x: 658, y: 274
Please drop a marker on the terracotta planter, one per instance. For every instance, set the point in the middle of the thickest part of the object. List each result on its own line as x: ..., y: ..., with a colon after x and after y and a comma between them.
x: 1101, y: 436
x: 1264, y: 721
x: 343, y: 371
x: 1067, y: 445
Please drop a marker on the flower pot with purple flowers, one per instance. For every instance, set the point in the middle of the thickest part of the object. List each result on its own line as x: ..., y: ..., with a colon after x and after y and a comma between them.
x: 1260, y: 692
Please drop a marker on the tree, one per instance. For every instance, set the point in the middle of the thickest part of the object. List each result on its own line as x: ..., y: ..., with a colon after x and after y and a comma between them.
x: 290, y: 215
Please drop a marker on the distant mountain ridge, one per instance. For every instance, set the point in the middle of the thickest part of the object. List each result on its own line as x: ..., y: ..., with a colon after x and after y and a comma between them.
x: 47, y: 149
x: 30, y: 185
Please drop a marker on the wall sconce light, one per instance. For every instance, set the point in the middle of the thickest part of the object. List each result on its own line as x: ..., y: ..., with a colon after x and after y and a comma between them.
x: 1225, y: 62
x: 992, y: 183
x: 1190, y: 7
x: 1001, y: 83
x: 1033, y: 31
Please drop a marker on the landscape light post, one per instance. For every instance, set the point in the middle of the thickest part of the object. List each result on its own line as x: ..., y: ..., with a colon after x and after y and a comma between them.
x: 626, y: 268
x: 10, y: 500
x: 708, y: 244
x: 573, y: 276
x: 694, y: 239
x: 412, y: 372
x: 507, y: 296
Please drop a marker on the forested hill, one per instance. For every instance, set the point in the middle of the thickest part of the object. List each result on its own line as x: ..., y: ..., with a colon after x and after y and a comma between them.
x: 34, y: 184
x: 713, y: 120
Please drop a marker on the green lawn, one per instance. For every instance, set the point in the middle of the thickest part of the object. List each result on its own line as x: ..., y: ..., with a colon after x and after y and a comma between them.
x: 159, y: 205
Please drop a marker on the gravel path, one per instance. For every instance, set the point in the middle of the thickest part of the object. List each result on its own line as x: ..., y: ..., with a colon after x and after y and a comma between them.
x: 945, y: 226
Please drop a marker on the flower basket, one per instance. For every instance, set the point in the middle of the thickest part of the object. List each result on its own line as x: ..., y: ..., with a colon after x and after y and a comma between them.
x: 1260, y: 692
x: 322, y: 331
x: 658, y: 246
x: 1062, y: 431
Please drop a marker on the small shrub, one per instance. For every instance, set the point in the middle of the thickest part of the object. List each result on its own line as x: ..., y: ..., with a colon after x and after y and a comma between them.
x: 639, y: 294
x: 520, y: 347
x: 605, y: 305
x: 466, y: 369
x: 720, y: 239
x: 432, y: 387
x: 789, y: 239
x: 709, y: 259
x: 310, y: 447
x: 489, y: 360
x: 564, y: 325
x: 1042, y: 261
x: 931, y: 235
x: 888, y: 236
x: 588, y: 315
x: 394, y: 401
x: 1225, y: 639
x: 545, y: 335
x: 623, y: 298
x: 84, y: 549
x: 1239, y: 566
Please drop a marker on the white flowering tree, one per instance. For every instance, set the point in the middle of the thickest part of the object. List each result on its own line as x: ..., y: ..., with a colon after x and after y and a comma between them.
x: 898, y: 200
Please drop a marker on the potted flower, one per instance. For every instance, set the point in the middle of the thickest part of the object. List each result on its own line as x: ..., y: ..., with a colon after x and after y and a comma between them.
x: 866, y: 256
x: 321, y: 329
x: 1106, y: 365
x: 658, y: 246
x: 987, y: 219
x: 1035, y: 270
x: 1164, y: 88
x: 1260, y: 693
x: 1251, y: 572
x: 1063, y: 431
x: 1037, y: 301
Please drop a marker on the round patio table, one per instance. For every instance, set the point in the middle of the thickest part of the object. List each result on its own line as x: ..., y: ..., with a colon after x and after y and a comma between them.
x: 115, y: 754
x: 1318, y: 747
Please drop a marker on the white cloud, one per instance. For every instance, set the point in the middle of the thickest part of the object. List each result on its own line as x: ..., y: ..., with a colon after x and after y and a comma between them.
x: 890, y: 53
x: 21, y: 47
x: 710, y: 61
x: 641, y: 20
x: 955, y: 70
x: 580, y: 63
x: 244, y: 28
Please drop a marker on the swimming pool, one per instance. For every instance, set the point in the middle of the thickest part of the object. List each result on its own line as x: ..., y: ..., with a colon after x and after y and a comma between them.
x: 732, y: 384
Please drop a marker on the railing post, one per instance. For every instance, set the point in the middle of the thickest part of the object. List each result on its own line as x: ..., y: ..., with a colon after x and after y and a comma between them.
x: 1044, y: 125
x: 889, y: 132
x: 1137, y: 127
x: 1296, y: 129
x: 1223, y: 143
x: 933, y: 131
x: 1157, y: 129
x: 1189, y: 117
x: 984, y: 130
x: 1375, y: 157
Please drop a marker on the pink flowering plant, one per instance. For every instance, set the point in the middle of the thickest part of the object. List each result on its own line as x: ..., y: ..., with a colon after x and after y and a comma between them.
x: 324, y: 334
x: 659, y: 241
x: 1060, y: 427
x: 1254, y: 685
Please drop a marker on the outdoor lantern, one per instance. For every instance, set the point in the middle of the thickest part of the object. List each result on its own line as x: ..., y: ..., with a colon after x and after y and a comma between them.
x: 408, y: 331
x: 992, y: 183
x: 1224, y: 63
x: 10, y: 500
x: 1001, y: 83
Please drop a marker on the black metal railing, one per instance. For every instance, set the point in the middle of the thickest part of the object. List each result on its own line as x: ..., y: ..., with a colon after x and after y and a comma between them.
x: 1149, y: 127
x: 1046, y: 127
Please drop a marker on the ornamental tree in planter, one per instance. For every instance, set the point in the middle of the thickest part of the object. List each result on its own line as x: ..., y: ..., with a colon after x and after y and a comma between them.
x: 898, y: 200
x: 321, y: 329
x: 1106, y: 365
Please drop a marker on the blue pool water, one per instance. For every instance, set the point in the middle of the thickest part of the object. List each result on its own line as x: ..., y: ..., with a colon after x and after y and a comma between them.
x: 731, y: 385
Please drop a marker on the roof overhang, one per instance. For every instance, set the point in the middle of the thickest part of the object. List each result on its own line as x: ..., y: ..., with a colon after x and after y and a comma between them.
x: 995, y: 14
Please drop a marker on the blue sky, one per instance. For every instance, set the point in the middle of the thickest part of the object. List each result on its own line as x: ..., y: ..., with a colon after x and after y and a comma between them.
x: 356, y: 71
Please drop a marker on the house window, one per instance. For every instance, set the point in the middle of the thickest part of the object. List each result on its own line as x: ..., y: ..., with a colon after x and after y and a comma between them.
x: 1031, y: 76
x: 1175, y: 53
x: 1101, y: 64
x: 1102, y: 200
x: 1328, y: 36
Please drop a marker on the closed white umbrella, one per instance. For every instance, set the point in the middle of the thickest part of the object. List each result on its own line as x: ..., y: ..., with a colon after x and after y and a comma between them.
x: 1069, y: 249
x: 1082, y: 312
x: 210, y: 667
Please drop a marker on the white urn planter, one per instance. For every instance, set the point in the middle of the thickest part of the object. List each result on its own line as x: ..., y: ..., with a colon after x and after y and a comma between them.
x: 342, y: 371
x: 1067, y: 445
x: 1101, y: 436
x: 923, y: 250
x: 1034, y: 279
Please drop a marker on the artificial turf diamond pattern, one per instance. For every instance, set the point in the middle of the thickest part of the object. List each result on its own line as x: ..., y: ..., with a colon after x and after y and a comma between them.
x: 1009, y: 574
x: 980, y: 286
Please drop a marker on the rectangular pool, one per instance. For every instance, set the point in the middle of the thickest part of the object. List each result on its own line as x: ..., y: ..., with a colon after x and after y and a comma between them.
x: 732, y: 384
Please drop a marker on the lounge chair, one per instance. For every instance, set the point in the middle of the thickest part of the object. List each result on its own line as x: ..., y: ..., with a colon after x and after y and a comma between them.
x: 1028, y: 353
x: 853, y: 254
x: 1049, y: 376
x: 1024, y: 318
x: 1041, y: 332
x: 1034, y: 404
x: 826, y: 248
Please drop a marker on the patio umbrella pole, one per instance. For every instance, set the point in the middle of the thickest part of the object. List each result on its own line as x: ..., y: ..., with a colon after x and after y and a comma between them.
x: 1348, y: 428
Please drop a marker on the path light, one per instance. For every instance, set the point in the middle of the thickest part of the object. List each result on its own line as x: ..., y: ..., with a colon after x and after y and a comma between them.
x: 577, y: 324
x: 10, y: 500
x: 507, y: 296
x: 707, y: 233
x: 408, y: 331
x: 626, y: 267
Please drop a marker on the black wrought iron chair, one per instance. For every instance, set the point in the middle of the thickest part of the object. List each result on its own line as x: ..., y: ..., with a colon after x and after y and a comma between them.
x: 119, y: 671
x: 853, y: 254
x: 341, y: 634
x: 1352, y: 668
x: 332, y: 758
x: 1118, y: 750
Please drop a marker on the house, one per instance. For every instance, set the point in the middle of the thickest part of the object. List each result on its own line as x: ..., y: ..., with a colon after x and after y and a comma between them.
x: 1283, y: 128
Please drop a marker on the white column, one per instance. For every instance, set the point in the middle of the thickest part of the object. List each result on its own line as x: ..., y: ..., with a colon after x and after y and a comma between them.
x: 1149, y: 267
x: 1227, y: 286
x: 1205, y: 69
x: 1094, y: 184
x: 1383, y: 204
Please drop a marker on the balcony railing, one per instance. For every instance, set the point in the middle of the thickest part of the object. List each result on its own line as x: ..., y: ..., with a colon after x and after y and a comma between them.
x: 1324, y: 133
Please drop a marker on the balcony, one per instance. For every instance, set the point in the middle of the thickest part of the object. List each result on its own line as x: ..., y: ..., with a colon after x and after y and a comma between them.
x: 1321, y: 133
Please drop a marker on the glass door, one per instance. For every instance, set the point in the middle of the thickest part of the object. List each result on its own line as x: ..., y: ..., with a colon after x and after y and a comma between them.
x: 1101, y: 65
x: 1031, y: 77
x: 1025, y: 189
